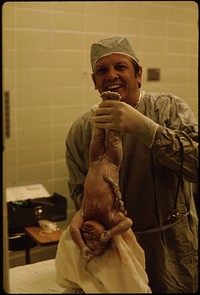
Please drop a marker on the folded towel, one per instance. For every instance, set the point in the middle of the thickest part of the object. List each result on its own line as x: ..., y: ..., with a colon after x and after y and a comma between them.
x: 121, y: 269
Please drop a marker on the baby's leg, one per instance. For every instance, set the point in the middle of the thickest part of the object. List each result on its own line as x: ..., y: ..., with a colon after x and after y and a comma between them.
x: 114, y: 147
x: 97, y: 146
x: 114, y: 144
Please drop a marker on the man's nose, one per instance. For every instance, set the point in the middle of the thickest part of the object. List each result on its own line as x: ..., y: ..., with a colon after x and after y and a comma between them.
x: 111, y: 74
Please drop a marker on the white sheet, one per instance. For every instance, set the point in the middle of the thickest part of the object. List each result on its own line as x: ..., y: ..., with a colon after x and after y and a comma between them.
x: 36, y: 278
x: 121, y: 269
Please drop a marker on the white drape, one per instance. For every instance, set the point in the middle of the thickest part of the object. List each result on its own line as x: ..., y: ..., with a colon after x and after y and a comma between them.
x: 121, y: 269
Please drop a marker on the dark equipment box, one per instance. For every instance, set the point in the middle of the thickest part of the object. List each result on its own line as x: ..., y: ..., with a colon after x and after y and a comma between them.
x: 28, y: 212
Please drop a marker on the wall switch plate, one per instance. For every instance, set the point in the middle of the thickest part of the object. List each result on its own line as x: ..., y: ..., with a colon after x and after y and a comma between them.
x: 153, y: 74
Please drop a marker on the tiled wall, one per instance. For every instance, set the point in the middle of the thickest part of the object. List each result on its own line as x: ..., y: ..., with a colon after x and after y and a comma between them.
x: 46, y: 70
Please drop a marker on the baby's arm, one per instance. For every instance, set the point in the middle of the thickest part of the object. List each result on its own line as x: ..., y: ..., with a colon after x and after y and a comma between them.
x: 120, y: 224
x: 75, y: 225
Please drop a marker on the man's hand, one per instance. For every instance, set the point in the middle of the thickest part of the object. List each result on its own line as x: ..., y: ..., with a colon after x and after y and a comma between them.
x: 120, y: 116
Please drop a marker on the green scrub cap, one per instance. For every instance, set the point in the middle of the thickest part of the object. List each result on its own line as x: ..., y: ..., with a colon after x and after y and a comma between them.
x: 108, y: 46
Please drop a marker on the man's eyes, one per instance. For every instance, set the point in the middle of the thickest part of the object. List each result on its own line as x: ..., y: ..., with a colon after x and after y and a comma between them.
x: 121, y: 67
x: 101, y: 71
x: 117, y: 67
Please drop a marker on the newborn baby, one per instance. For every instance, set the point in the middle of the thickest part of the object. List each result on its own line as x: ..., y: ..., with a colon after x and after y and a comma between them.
x: 102, y: 213
x: 101, y: 230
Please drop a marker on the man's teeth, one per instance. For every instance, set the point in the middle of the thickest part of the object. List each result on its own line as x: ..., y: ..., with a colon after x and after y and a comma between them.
x: 111, y: 87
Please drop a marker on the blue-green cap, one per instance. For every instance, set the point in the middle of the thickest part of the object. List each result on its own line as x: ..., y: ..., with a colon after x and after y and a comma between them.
x: 108, y: 46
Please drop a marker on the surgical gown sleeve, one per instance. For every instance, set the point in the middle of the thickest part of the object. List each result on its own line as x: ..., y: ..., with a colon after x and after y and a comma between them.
x: 178, y: 129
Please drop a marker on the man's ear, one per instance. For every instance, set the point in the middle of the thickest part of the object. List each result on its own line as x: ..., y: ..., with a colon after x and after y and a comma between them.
x: 139, y: 77
x: 93, y: 78
x: 140, y: 72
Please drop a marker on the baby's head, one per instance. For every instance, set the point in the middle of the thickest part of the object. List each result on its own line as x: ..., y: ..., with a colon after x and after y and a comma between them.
x: 91, y: 232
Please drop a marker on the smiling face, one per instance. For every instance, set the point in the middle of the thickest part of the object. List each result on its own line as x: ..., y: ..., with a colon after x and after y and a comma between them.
x: 116, y: 73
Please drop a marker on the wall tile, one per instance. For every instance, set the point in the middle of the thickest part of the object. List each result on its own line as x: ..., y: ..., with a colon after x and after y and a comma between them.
x: 130, y: 9
x: 178, y: 13
x: 101, y: 8
x: 154, y: 28
x: 33, y: 78
x: 58, y: 151
x: 59, y: 169
x: 65, y: 21
x: 67, y: 59
x: 129, y: 26
x: 32, y: 98
x: 9, y: 59
x: 29, y: 155
x: 8, y: 79
x: 178, y: 31
x: 66, y: 114
x: 25, y: 57
x: 8, y: 39
x: 33, y: 136
x: 8, y: 15
x: 60, y: 133
x: 33, y: 19
x: 67, y: 96
x: 35, y: 173
x: 33, y: 117
x: 155, y: 11
x: 69, y: 6
x: 94, y: 23
x: 33, y: 39
x: 68, y: 41
x: 67, y: 77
